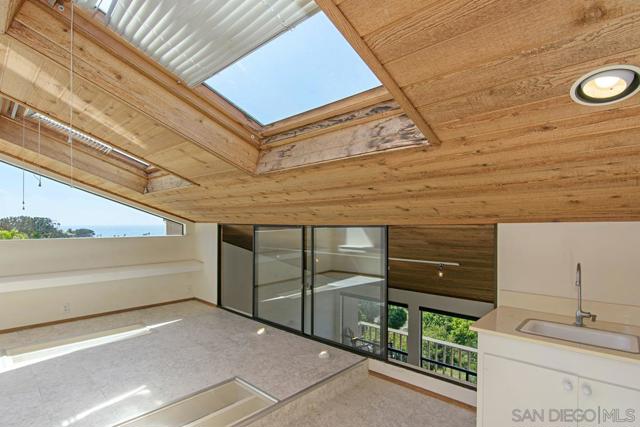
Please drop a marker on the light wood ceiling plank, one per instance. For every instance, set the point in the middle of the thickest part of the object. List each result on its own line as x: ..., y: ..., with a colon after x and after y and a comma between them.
x: 343, y: 24
x: 8, y: 9
x: 439, y: 22
x: 524, y: 31
x: 369, y: 15
x: 595, y: 43
x: 120, y: 79
x: 364, y: 139
x: 55, y: 154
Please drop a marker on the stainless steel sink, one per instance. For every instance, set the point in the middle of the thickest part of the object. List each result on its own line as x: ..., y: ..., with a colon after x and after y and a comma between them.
x: 582, y: 335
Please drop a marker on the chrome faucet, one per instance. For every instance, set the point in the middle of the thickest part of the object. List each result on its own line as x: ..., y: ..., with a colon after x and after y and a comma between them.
x: 580, y: 315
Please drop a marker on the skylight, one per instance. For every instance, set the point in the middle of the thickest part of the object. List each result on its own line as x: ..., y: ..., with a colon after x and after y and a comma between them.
x: 307, y: 67
x: 88, y: 140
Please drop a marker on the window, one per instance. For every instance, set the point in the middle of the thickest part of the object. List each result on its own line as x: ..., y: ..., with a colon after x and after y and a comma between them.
x: 349, y: 286
x: 448, y: 346
x: 46, y: 209
x: 398, y: 324
x: 104, y: 5
x: 302, y: 69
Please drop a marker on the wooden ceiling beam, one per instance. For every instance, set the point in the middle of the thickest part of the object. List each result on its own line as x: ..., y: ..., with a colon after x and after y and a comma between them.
x: 343, y: 24
x: 8, y: 9
x: 54, y: 154
x: 165, y: 182
x: 383, y: 134
x: 344, y: 106
x: 47, y: 32
x: 335, y: 123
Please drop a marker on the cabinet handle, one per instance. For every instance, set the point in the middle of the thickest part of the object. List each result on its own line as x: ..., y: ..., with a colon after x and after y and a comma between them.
x: 586, y: 389
x: 567, y: 385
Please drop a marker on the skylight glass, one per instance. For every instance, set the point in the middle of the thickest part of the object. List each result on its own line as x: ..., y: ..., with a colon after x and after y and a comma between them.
x: 104, y: 5
x: 307, y: 67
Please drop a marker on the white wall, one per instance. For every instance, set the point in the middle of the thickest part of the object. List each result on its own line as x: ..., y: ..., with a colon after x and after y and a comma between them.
x: 206, y: 250
x: 537, y: 263
x: 19, y: 257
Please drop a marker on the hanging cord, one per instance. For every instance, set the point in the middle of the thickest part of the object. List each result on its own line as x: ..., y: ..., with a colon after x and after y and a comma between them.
x: 23, y: 148
x: 71, y: 35
x: 39, y: 172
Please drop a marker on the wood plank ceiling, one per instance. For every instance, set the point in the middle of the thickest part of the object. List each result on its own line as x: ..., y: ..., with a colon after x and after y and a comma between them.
x: 490, y: 79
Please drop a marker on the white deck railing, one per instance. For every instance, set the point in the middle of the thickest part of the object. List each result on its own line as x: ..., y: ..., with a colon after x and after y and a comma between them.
x: 452, y: 360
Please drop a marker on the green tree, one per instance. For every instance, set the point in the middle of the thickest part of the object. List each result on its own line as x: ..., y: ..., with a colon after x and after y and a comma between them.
x: 81, y: 232
x: 33, y: 227
x: 368, y: 311
x: 397, y: 316
x: 448, y: 328
x: 12, y: 235
x: 41, y: 228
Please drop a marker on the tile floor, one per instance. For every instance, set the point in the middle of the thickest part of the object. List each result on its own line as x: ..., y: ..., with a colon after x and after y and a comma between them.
x: 105, y: 385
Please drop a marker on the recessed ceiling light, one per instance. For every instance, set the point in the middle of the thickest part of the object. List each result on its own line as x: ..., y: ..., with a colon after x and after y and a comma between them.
x: 606, y: 85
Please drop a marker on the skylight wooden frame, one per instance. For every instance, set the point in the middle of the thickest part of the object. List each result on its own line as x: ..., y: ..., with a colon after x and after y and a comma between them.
x: 43, y: 28
x: 93, y: 24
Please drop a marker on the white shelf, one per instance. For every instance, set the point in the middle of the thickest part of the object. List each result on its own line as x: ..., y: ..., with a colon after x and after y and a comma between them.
x: 95, y: 275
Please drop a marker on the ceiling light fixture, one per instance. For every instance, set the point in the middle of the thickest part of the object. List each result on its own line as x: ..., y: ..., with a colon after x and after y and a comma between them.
x: 606, y: 85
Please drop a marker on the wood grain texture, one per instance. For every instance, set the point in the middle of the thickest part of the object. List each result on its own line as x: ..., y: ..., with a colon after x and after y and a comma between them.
x: 360, y: 140
x: 473, y: 247
x: 53, y: 152
x: 97, y: 66
x: 344, y: 106
x: 165, y: 182
x: 238, y: 235
x: 333, y: 123
x: 8, y: 9
x: 491, y: 76
x: 343, y: 24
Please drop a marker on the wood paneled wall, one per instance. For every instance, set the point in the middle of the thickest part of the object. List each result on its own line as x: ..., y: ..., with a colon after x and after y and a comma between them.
x: 472, y: 246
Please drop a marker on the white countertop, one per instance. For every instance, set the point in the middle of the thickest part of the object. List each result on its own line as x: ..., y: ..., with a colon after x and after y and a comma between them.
x: 504, y: 321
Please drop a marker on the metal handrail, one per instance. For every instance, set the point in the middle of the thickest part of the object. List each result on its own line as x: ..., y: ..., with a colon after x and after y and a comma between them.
x: 450, y: 344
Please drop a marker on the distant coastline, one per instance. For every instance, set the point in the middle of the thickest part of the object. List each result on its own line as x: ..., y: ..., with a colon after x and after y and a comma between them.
x: 122, y: 230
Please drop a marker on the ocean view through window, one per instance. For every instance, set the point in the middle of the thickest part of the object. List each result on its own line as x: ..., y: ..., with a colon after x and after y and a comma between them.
x: 36, y: 207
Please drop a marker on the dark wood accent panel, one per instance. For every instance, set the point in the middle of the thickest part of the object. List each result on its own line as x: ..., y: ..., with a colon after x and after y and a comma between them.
x: 238, y: 235
x: 472, y: 246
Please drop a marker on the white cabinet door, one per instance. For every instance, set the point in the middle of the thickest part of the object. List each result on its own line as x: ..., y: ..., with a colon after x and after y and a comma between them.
x: 520, y: 394
x: 608, y: 405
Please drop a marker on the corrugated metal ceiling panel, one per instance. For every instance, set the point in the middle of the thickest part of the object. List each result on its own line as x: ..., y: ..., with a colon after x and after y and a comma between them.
x: 196, y: 39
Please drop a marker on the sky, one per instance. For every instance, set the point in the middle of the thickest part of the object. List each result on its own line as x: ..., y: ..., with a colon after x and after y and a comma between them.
x: 304, y: 68
x: 66, y: 205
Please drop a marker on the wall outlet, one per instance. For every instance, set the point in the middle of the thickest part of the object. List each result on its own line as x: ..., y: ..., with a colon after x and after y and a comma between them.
x: 67, y: 307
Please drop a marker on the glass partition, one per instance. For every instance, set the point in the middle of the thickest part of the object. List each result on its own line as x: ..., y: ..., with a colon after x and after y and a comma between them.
x: 236, y: 265
x: 349, y: 290
x: 279, y: 261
